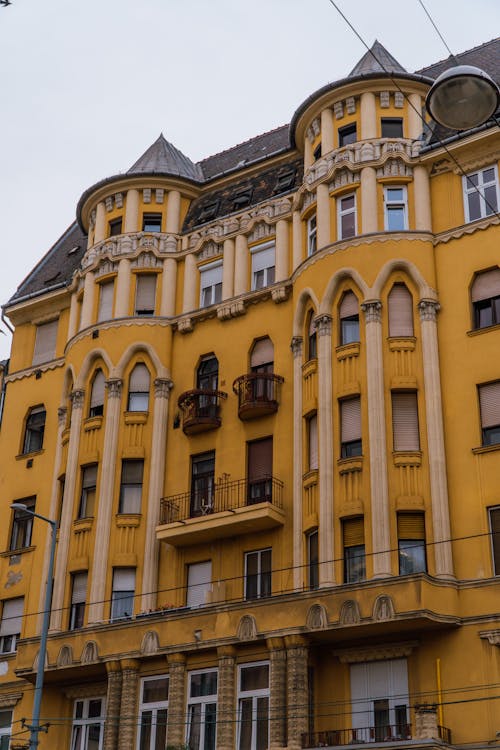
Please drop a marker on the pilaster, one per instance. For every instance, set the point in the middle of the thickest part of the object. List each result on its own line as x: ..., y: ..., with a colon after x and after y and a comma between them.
x: 86, y: 318
x: 176, y: 719
x: 228, y: 270
x: 73, y: 316
x: 131, y: 223
x: 297, y: 689
x: 281, y: 250
x: 323, y: 216
x: 128, y: 706
x: 298, y: 470
x: 325, y: 440
x: 296, y: 240
x: 327, y: 131
x: 123, y: 289
x: 241, y: 265
x: 113, y: 703
x: 190, y: 284
x: 226, y: 697
x: 369, y: 221
x: 100, y: 223
x: 422, y: 197
x: 168, y: 290
x: 277, y: 685
x: 173, y: 211
x: 368, y: 110
x: 415, y: 124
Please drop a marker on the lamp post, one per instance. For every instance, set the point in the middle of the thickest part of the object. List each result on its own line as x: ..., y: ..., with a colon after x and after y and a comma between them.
x: 463, y: 97
x: 35, y: 728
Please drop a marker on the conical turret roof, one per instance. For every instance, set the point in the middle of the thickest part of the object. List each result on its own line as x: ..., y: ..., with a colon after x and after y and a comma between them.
x: 377, y: 60
x: 164, y: 157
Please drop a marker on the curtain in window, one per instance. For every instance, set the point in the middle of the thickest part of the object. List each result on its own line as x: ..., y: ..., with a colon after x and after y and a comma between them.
x: 106, y: 293
x: 145, y: 294
x: 405, y: 421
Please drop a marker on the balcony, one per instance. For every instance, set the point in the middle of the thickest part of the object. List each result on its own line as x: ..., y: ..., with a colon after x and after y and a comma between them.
x: 201, y: 410
x: 258, y: 394
x: 221, y: 509
x: 360, y: 736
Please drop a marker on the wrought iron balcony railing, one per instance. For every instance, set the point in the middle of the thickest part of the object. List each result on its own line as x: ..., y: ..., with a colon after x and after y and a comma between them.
x: 363, y: 735
x: 200, y: 410
x: 258, y: 394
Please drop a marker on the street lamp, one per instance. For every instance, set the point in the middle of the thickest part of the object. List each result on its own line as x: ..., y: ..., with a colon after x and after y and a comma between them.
x: 463, y: 97
x: 35, y: 728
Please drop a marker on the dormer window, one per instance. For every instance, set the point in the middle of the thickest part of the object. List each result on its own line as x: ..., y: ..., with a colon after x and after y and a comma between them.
x: 242, y: 199
x: 151, y: 223
x: 209, y: 211
x: 347, y: 135
x: 285, y: 181
x: 392, y: 127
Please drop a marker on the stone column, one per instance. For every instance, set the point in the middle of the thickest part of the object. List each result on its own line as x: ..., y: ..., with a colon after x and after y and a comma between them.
x: 296, y: 240
x: 325, y: 441
x: 422, y: 198
x: 415, y: 124
x: 113, y: 702
x: 241, y: 265
x: 73, y: 316
x: 173, y: 211
x: 87, y: 316
x: 297, y: 689
x: 131, y: 223
x: 298, y: 469
x: 277, y: 700
x: 381, y: 538
x: 226, y: 698
x: 104, y: 506
x: 435, y: 440
x: 426, y: 725
x: 122, y: 304
x: 281, y: 250
x: 369, y: 222
x: 77, y: 398
x: 323, y: 215
x: 190, y: 284
x: 100, y: 223
x: 368, y: 111
x: 308, y: 153
x: 156, y: 479
x: 176, y: 719
x: 128, y: 705
x: 228, y: 270
x: 168, y: 289
x: 327, y: 131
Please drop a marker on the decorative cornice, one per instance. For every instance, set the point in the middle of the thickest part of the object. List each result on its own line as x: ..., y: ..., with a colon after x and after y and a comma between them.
x: 26, y: 373
x: 281, y: 293
x: 372, y: 310
x: 475, y: 226
x: 129, y: 245
x: 375, y: 653
x: 77, y: 398
x: 9, y: 700
x: 476, y: 162
x: 163, y: 386
x: 114, y: 387
x: 323, y: 324
x: 185, y: 325
x: 428, y: 310
x: 296, y: 346
x: 231, y: 309
x: 492, y: 636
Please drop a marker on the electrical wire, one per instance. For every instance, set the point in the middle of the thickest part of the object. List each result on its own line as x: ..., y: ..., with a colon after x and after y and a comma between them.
x: 452, y: 54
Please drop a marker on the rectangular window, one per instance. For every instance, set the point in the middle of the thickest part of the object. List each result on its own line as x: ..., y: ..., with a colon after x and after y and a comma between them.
x: 313, y: 559
x: 379, y: 699
x: 151, y: 223
x: 353, y: 532
x: 88, y: 724
x: 11, y: 624
x: 122, y: 595
x: 260, y: 471
x: 392, y: 127
x: 253, y: 706
x: 202, y: 709
x: 349, y: 319
x: 480, y: 193
x: 202, y: 484
x: 350, y: 425
x: 312, y: 243
x: 22, y: 525
x: 45, y: 342
x: 489, y: 400
x: 88, y: 495
x: 411, y: 543
x: 115, y: 227
x: 199, y: 583
x: 285, y: 181
x: 78, y: 597
x: 153, y: 711
x: 258, y: 574
x: 346, y: 217
x: 145, y: 294
x: 347, y: 135
x: 405, y: 421
x: 210, y: 284
x: 494, y: 514
x: 263, y: 260
x: 131, y: 486
x: 105, y: 307
x: 35, y: 428
x: 5, y: 729
x: 485, y: 296
x: 312, y: 442
x: 396, y: 209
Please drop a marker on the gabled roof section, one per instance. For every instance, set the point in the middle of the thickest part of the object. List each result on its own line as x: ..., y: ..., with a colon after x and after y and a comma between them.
x: 163, y: 157
x: 376, y: 60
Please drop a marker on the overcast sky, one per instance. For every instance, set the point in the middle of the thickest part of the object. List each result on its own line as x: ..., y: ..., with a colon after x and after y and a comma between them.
x: 88, y: 85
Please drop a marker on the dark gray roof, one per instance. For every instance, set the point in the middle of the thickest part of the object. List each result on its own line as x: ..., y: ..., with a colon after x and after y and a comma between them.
x: 486, y: 56
x: 376, y: 60
x: 162, y: 156
x: 240, y: 156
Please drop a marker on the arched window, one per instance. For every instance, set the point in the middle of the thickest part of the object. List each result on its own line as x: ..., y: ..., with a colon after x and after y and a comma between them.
x: 207, y: 375
x: 312, y: 341
x: 485, y: 294
x: 138, y: 388
x: 349, y: 318
x: 35, y: 427
x: 97, y: 395
x: 262, y: 356
x: 400, y: 304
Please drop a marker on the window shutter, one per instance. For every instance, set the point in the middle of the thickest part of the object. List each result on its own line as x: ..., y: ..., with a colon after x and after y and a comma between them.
x: 199, y: 583
x: 124, y: 579
x: 89, y: 476
x: 400, y: 303
x: 262, y: 353
x: 313, y: 442
x: 45, y: 342
x: 139, y: 379
x: 354, y: 531
x: 411, y: 526
x: 263, y: 257
x: 211, y: 274
x: 489, y: 398
x: 495, y: 538
x: 260, y: 459
x: 79, y: 593
x: 97, y: 395
x: 145, y: 293
x: 349, y: 305
x: 132, y: 472
x: 12, y: 616
x: 351, y: 419
x: 105, y: 311
x: 405, y: 421
x: 486, y: 285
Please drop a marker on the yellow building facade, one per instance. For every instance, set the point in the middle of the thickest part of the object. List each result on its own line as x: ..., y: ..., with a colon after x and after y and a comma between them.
x: 260, y: 397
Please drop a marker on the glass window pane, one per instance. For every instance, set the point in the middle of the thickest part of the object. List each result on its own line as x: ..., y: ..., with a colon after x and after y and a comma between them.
x: 488, y: 175
x: 262, y: 723
x: 94, y: 708
x: 349, y: 330
x: 490, y: 194
x: 203, y: 684
x: 474, y: 206
x: 395, y: 218
x: 255, y: 678
x: 194, y: 726
x: 210, y: 726
x: 145, y: 730
x: 155, y: 691
x: 245, y: 724
x: 348, y: 225
x: 411, y: 556
x: 94, y: 735
x: 161, y: 729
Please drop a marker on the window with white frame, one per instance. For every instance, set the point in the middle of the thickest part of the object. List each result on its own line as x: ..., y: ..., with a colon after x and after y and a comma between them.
x: 88, y: 724
x: 106, y: 296
x: 396, y: 208
x: 346, y: 216
x: 153, y: 711
x: 253, y: 706
x: 258, y: 574
x: 210, y: 284
x: 379, y: 700
x: 312, y: 441
x: 22, y: 525
x: 131, y: 486
x: 138, y: 388
x: 263, y: 265
x: 405, y: 430
x: 45, y: 342
x: 312, y: 241
x: 349, y: 318
x: 86, y: 508
x: 199, y: 583
x: 480, y: 193
x: 494, y: 514
x: 34, y: 430
x: 97, y: 395
x: 11, y: 624
x: 202, y: 709
x: 485, y: 297
x: 122, y: 595
x: 5, y: 729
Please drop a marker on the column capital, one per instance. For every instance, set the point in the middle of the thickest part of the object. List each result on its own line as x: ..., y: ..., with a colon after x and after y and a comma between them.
x: 62, y: 413
x: 176, y: 660
x: 226, y: 652
x: 323, y: 324
x: 113, y: 666
x: 372, y: 310
x: 428, y: 309
x: 296, y: 346
x: 163, y: 386
x: 275, y: 644
x: 296, y: 641
x: 77, y: 398
x: 114, y: 387
x: 133, y: 665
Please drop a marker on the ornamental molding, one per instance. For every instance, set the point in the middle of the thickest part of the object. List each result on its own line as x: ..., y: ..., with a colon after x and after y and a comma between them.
x: 104, y: 267
x: 343, y: 178
x: 323, y: 325
x: 90, y: 653
x: 9, y: 700
x: 428, y: 310
x: 375, y: 653
x: 86, y: 691
x: 185, y: 325
x: 372, y: 310
x: 231, y: 309
x: 492, y: 636
x: 383, y: 608
x: 130, y: 246
x: 281, y: 293
x: 121, y: 322
x: 62, y: 414
x: 114, y: 387
x: 146, y: 260
x: 296, y: 345
x: 65, y: 656
x: 314, y: 129
x: 77, y: 398
x: 349, y: 613
x: 20, y: 374
x: 209, y: 249
x: 476, y: 162
x: 394, y: 168
x: 317, y: 617
x: 163, y: 386
x: 47, y: 318
x: 261, y: 230
x: 150, y: 643
x: 247, y: 628
x: 476, y: 226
